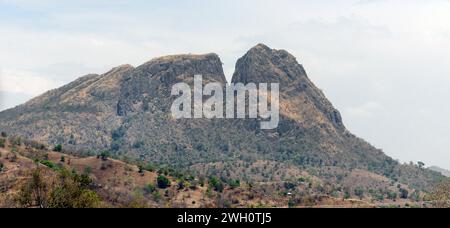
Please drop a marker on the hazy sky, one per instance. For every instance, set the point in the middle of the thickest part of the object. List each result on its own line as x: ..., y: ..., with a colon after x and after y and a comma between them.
x: 384, y: 63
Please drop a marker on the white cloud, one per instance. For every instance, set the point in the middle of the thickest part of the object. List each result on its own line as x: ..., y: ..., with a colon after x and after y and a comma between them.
x: 367, y: 111
x: 21, y: 82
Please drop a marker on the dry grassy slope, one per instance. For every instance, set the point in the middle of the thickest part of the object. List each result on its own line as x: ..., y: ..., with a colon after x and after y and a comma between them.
x: 121, y: 185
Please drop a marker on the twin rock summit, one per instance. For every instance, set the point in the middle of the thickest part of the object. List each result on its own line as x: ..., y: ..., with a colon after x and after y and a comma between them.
x: 127, y: 111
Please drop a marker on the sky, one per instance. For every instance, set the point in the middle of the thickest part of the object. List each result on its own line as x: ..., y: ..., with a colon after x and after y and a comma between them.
x: 383, y: 63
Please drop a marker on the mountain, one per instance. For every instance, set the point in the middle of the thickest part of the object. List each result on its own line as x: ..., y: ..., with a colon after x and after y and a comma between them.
x: 127, y: 111
x: 440, y: 170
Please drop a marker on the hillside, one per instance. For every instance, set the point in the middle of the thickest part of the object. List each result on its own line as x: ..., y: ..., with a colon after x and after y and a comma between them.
x: 440, y: 170
x: 126, y: 111
x: 120, y: 184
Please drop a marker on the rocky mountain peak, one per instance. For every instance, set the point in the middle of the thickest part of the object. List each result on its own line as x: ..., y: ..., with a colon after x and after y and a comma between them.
x: 262, y: 64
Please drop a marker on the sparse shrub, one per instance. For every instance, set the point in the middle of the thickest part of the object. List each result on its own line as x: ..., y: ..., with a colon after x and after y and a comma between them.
x: 289, y: 185
x: 2, y: 143
x: 150, y: 188
x: 162, y: 182
x: 149, y: 167
x: 87, y: 170
x: 359, y: 192
x: 347, y: 195
x: 50, y: 164
x: 235, y: 184
x: 156, y: 196
x: 392, y: 195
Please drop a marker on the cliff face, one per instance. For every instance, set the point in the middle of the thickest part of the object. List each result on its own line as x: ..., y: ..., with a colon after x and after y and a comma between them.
x: 127, y: 111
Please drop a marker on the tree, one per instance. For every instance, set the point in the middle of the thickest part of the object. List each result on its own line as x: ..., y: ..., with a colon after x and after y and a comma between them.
x: 68, y: 191
x: 2, y: 143
x: 58, y: 148
x: 404, y: 194
x: 104, y: 155
x: 73, y: 191
x: 1, y: 167
x: 421, y: 165
x: 34, y: 193
x: 162, y: 182
x: 63, y: 159
x: 216, y: 184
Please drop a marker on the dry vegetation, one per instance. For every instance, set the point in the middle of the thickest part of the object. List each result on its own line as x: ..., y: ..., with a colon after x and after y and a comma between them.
x: 33, y: 176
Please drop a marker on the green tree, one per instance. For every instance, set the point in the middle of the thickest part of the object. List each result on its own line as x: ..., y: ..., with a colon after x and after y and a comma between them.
x: 216, y: 184
x: 421, y: 164
x: 72, y: 192
x: 58, y: 148
x: 404, y: 194
x: 104, y: 155
x: 162, y: 182
x: 34, y: 193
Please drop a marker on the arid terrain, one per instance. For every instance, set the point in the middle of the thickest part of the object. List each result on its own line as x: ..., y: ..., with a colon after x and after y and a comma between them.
x: 111, y: 140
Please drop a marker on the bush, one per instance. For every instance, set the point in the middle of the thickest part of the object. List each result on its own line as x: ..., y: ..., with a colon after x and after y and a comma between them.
x: 359, y: 192
x: 49, y: 164
x: 58, y: 148
x: 87, y: 170
x: 163, y: 182
x: 235, y: 183
x: 104, y: 155
x: 392, y: 196
x: 289, y: 185
x: 404, y: 194
x: 70, y: 191
x: 181, y: 185
x: 150, y: 188
x: 216, y: 184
